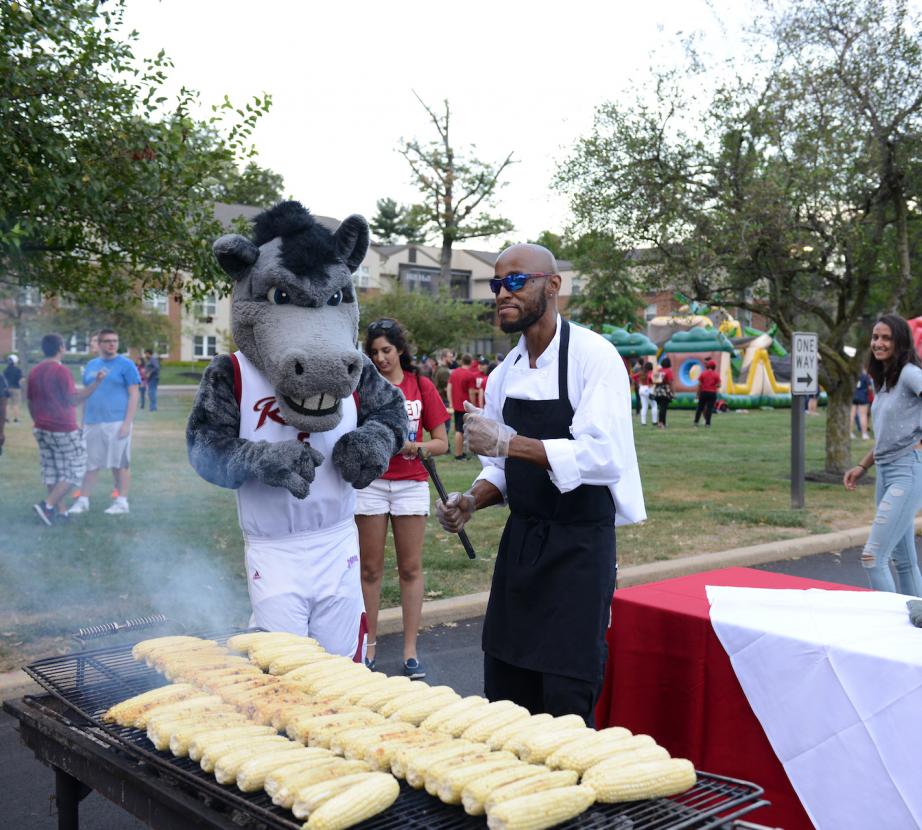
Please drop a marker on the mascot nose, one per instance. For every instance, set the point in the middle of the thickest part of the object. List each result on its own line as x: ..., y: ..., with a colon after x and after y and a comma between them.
x: 353, y: 364
x: 299, y: 369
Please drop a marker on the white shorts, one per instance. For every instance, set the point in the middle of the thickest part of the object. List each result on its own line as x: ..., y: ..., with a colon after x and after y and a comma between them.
x: 310, y: 584
x: 399, y: 498
x: 104, y: 449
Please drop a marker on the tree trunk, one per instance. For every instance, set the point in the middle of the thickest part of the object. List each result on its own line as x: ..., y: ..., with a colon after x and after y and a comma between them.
x: 838, y: 411
x: 902, y: 248
x: 445, y: 264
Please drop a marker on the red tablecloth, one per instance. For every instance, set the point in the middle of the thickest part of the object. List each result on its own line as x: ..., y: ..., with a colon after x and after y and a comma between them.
x: 668, y: 676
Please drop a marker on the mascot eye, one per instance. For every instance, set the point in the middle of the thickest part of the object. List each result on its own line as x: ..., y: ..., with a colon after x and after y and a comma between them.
x: 278, y: 296
x: 336, y: 299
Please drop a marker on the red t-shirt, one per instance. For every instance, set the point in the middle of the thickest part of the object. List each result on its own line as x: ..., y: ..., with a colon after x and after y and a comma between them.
x: 667, y: 375
x: 708, y: 381
x: 425, y: 411
x: 461, y: 380
x: 49, y: 392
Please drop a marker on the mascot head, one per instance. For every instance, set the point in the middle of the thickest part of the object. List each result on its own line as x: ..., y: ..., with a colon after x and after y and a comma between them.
x: 294, y: 313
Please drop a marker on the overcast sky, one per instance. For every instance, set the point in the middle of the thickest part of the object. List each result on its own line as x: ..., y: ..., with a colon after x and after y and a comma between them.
x: 520, y: 77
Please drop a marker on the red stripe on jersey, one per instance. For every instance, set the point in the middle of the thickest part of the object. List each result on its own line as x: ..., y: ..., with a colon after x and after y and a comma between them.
x: 363, y: 633
x: 238, y: 383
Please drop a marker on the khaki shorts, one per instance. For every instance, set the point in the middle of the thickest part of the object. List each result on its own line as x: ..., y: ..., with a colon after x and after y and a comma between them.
x: 399, y: 498
x: 104, y: 449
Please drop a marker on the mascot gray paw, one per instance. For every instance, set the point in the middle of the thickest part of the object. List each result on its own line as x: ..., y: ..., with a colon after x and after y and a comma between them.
x: 362, y: 456
x: 289, y: 464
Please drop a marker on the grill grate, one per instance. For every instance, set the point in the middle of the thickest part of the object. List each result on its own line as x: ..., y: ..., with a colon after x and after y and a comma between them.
x: 89, y: 682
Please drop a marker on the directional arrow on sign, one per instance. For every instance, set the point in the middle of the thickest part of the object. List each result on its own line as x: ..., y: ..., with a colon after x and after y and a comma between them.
x: 807, y: 381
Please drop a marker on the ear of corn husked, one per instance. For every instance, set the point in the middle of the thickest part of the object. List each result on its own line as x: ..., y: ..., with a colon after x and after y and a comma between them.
x: 542, y: 744
x: 161, y: 733
x: 182, y: 738
x: 141, y: 650
x: 421, y: 763
x: 125, y: 713
x: 228, y: 765
x: 382, y: 755
x: 418, y: 710
x: 351, y: 742
x: 581, y: 758
x: 653, y: 752
x: 540, y: 810
x: 435, y: 774
x: 304, y: 727
x: 450, y: 785
x: 244, y: 642
x: 291, y: 771
x: 648, y: 779
x: 323, y: 735
x: 559, y: 757
x: 412, y: 695
x: 359, y: 802
x: 251, y: 775
x: 533, y: 784
x: 286, y: 794
x: 505, y: 733
x: 197, y: 745
x: 310, y: 798
x: 475, y: 793
x: 202, y: 703
x: 217, y: 750
x: 482, y: 728
x: 460, y: 721
x: 451, y: 710
x: 374, y: 681
x: 383, y: 692
x: 263, y: 655
x: 284, y: 715
x: 285, y: 663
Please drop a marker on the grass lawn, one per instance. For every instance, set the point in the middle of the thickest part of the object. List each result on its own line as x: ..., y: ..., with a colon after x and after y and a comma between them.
x: 180, y: 551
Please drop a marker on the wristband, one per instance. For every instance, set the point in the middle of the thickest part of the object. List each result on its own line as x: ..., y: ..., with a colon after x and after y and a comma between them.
x: 863, y: 467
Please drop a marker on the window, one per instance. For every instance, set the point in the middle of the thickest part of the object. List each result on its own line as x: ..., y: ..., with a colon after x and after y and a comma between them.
x: 157, y: 302
x: 419, y: 281
x: 650, y: 312
x: 362, y: 277
x: 207, y: 306
x: 30, y: 296
x: 205, y: 346
x: 77, y: 343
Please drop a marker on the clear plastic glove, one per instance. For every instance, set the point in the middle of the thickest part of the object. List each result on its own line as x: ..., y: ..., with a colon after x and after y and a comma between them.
x: 455, y: 512
x: 484, y: 435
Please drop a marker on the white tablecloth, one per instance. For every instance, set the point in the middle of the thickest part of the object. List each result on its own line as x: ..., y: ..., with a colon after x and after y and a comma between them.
x: 835, y: 679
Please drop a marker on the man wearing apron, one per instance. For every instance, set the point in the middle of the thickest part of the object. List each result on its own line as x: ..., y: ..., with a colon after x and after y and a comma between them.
x: 556, y: 441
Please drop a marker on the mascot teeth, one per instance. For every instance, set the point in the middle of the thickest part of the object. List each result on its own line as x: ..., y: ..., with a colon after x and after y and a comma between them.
x: 317, y: 405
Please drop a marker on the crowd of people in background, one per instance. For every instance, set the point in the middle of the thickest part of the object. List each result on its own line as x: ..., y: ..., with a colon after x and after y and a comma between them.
x: 73, y: 450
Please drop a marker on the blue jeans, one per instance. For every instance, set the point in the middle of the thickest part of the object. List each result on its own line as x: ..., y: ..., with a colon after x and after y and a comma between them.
x: 152, y: 394
x: 899, y: 498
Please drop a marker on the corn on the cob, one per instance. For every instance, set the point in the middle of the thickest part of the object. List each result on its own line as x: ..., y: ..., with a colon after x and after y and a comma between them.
x: 286, y: 795
x: 166, y: 710
x: 540, y: 810
x: 559, y: 758
x: 263, y: 656
x: 362, y: 801
x: 519, y: 743
x: 310, y: 798
x: 650, y: 779
x: 351, y: 742
x: 322, y: 734
x: 451, y: 784
x: 199, y: 744
x: 251, y: 775
x: 383, y: 692
x: 537, y: 747
x: 126, y: 712
x: 303, y: 727
x: 296, y: 771
x: 289, y: 662
x: 434, y: 774
x: 504, y: 733
x: 417, y: 692
x: 328, y: 669
x: 382, y: 754
x: 182, y: 738
x: 421, y: 762
x: 533, y: 784
x: 483, y: 727
x: 476, y: 792
x: 436, y: 718
x: 228, y: 765
x: 652, y: 752
x: 216, y: 750
x: 160, y: 732
x: 282, y: 716
x: 140, y: 650
x: 579, y: 760
x: 417, y: 710
x: 244, y: 642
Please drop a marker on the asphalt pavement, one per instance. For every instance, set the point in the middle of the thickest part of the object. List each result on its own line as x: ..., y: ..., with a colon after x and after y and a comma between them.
x: 450, y: 653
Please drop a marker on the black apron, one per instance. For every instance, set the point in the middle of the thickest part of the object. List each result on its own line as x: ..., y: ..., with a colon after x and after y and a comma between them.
x: 555, y: 571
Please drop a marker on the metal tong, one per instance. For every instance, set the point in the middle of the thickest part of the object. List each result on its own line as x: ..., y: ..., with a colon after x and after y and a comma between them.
x: 429, y: 464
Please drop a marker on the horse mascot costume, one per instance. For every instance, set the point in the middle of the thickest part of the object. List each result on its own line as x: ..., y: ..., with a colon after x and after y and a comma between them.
x: 296, y: 420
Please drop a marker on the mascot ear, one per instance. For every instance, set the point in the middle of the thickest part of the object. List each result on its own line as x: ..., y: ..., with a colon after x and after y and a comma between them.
x: 352, y: 240
x: 235, y: 254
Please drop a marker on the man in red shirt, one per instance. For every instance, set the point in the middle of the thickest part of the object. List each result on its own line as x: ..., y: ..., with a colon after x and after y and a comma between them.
x: 708, y: 384
x: 52, y: 399
x: 459, y: 386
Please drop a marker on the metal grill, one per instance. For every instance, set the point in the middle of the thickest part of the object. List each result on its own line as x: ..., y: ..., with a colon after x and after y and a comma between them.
x: 90, y: 682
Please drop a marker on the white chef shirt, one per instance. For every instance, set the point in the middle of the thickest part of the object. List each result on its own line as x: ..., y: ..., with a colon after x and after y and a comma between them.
x: 602, y: 450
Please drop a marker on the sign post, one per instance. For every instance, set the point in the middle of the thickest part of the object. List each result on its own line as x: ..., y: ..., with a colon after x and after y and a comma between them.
x: 804, y: 383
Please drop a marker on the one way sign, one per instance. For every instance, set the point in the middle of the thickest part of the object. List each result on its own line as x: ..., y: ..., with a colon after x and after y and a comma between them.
x: 804, y: 368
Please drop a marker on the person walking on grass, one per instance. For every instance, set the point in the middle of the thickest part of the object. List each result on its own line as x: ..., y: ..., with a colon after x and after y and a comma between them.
x: 861, y: 400
x: 460, y: 383
x: 708, y: 384
x: 108, y: 417
x: 52, y: 399
x: 645, y: 392
x: 402, y: 493
x: 152, y: 370
x: 13, y: 375
x: 896, y: 371
x: 663, y: 379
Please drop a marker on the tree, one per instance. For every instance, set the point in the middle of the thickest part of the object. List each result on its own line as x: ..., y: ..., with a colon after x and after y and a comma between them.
x: 254, y: 186
x: 433, y: 321
x: 775, y: 196
x: 457, y: 188
x: 393, y: 222
x: 103, y: 189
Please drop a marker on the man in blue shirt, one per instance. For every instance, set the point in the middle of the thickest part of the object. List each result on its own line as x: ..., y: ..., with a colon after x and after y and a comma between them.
x: 107, y: 422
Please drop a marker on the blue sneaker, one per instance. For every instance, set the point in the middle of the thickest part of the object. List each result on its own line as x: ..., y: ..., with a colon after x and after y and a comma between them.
x: 413, y: 669
x: 370, y: 664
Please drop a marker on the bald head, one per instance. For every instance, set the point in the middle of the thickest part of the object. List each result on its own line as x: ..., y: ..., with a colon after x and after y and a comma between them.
x: 527, y: 258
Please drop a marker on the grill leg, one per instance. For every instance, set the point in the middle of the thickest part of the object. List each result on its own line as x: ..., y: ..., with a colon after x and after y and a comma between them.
x: 69, y: 792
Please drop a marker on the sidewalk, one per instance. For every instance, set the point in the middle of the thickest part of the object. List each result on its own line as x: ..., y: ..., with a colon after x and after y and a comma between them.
x: 441, y: 611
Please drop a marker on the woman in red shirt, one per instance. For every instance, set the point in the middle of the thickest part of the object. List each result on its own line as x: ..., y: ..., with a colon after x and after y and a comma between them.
x: 708, y: 384
x: 401, y: 493
x: 663, y: 379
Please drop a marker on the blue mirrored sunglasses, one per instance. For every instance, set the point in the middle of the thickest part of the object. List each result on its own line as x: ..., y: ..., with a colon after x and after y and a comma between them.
x: 513, y: 282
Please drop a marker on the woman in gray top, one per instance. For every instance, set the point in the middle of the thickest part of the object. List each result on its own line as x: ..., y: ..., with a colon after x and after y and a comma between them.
x: 897, y: 412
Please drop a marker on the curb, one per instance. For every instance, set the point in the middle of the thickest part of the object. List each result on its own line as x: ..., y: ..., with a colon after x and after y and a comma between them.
x: 440, y: 611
